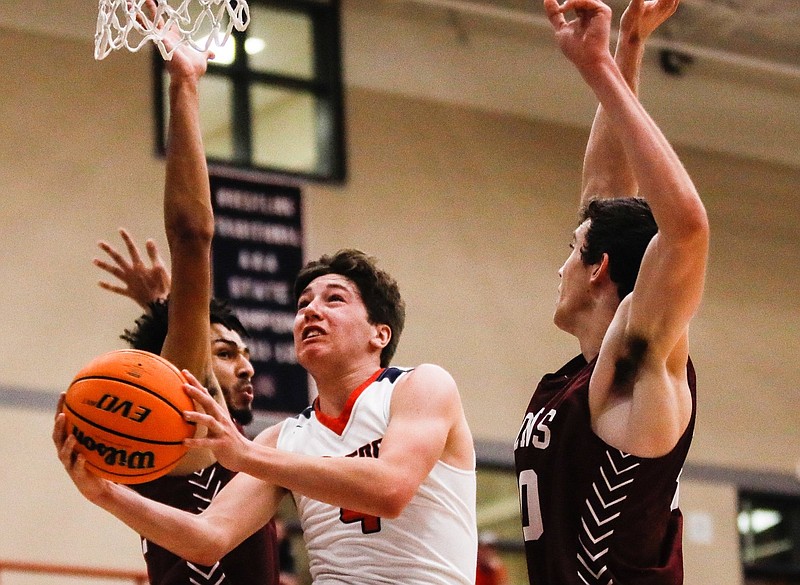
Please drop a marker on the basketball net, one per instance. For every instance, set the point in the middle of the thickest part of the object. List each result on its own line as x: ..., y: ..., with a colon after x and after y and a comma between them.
x: 199, y: 24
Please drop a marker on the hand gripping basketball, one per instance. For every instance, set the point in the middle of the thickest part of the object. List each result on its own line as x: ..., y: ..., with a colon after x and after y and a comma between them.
x: 125, y: 411
x: 223, y: 437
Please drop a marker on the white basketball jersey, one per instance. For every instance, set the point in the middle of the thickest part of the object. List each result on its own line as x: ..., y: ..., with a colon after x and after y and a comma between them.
x: 433, y: 541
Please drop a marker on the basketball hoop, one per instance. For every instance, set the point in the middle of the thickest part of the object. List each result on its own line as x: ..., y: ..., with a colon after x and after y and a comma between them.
x: 199, y: 24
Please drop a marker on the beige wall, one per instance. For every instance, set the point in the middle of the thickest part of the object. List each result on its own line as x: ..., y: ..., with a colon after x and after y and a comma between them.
x: 711, y: 538
x: 471, y: 211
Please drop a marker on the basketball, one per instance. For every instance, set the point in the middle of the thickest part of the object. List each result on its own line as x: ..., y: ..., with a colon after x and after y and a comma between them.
x: 125, y: 409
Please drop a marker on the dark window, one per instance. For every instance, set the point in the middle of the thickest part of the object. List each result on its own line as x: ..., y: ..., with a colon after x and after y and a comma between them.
x: 272, y: 98
x: 769, y: 533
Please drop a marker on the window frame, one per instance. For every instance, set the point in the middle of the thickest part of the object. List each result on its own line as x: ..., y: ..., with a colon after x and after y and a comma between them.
x: 326, y: 88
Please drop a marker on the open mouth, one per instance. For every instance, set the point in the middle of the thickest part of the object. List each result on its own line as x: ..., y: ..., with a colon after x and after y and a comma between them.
x: 312, y: 332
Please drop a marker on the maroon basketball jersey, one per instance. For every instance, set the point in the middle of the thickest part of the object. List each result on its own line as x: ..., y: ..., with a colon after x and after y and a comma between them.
x: 253, y: 562
x: 592, y: 514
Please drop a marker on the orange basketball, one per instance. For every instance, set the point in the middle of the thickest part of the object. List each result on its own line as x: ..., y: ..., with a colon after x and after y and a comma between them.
x: 125, y: 408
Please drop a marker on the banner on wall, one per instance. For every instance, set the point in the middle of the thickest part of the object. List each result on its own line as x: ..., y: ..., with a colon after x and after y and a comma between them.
x: 257, y: 252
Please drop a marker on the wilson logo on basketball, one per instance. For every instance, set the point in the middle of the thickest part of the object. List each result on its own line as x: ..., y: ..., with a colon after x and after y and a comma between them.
x: 116, y: 457
x: 126, y: 408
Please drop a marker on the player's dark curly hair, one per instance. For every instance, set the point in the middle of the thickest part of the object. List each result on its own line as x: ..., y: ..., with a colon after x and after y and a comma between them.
x: 622, y: 228
x: 151, y: 328
x: 378, y: 290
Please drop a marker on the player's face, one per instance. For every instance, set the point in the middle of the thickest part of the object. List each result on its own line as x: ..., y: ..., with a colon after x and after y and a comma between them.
x: 331, y: 325
x: 573, y: 289
x: 230, y: 359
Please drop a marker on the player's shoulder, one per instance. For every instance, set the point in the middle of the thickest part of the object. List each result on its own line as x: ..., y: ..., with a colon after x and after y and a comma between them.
x: 428, y: 379
x: 427, y: 373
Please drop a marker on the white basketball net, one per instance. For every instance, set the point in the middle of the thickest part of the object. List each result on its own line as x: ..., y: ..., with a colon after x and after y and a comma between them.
x: 199, y: 23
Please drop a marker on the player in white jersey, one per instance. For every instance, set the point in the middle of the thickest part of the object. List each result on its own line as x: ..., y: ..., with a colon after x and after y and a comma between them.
x: 382, y: 466
x: 341, y: 541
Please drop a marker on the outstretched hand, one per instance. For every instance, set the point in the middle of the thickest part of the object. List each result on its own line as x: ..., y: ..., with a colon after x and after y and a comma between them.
x: 222, y: 437
x: 143, y: 284
x: 584, y: 39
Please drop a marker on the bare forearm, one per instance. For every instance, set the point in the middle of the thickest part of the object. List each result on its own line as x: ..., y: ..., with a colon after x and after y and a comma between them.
x: 628, y: 57
x: 181, y: 532
x: 189, y: 224
x: 367, y: 485
x: 187, y: 197
x: 606, y: 169
x: 657, y: 168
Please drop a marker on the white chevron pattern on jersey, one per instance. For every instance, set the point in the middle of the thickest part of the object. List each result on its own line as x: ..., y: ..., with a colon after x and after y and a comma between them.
x: 206, y: 487
x: 602, y: 508
x: 206, y: 575
x: 206, y: 484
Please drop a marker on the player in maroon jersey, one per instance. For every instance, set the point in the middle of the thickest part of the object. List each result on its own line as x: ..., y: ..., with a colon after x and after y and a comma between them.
x: 255, y: 561
x: 604, y: 438
x: 186, y: 340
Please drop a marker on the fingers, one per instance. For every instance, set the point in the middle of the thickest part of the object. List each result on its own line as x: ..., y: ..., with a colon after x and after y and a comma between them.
x: 118, y: 271
x: 152, y: 253
x: 663, y: 9
x: 554, y: 13
x: 60, y: 422
x: 113, y: 254
x: 578, y: 5
x: 642, y: 17
x: 141, y: 17
x: 111, y: 269
x: 113, y: 288
x: 192, y: 380
x: 585, y: 6
x: 667, y: 4
x: 200, y: 418
x: 60, y: 405
x: 58, y: 429
x: 73, y: 462
x: 214, y: 430
x: 133, y: 250
x: 202, y: 397
x: 151, y: 6
x: 200, y: 394
x: 65, y: 445
x: 208, y: 416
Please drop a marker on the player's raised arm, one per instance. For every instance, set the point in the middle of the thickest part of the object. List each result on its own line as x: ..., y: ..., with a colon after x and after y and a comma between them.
x: 606, y: 169
x: 188, y: 218
x: 189, y: 227
x: 670, y: 282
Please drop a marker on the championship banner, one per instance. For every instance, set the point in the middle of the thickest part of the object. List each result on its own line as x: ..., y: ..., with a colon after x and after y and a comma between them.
x: 257, y: 253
